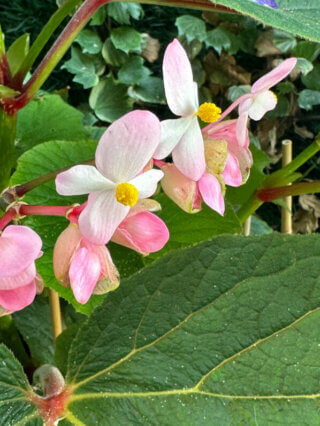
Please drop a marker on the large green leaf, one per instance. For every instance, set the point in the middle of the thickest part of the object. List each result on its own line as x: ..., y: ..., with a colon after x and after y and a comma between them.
x: 187, y: 230
x: 300, y: 17
x: 224, y: 333
x: 15, y: 406
x: 48, y: 118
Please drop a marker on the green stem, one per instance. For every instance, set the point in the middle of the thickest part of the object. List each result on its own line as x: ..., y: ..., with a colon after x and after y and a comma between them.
x: 249, y: 208
x: 43, y: 38
x: 281, y: 176
x: 7, y: 136
x: 269, y: 194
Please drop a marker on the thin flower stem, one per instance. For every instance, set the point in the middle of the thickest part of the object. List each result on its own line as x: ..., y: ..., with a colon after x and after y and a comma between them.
x: 7, y: 218
x: 55, y: 313
x: 26, y: 210
x: 21, y: 190
x: 286, y: 212
x: 270, y: 194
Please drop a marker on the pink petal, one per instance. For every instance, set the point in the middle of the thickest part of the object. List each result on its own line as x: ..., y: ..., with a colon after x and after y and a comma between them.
x: 210, y: 190
x: 66, y: 245
x: 241, y: 129
x: 80, y: 180
x: 84, y: 273
x: 261, y: 104
x: 109, y: 276
x: 101, y: 217
x: 147, y: 183
x: 273, y: 77
x: 180, y: 189
x: 144, y: 232
x: 171, y: 133
x: 188, y: 155
x: 19, y: 247
x: 232, y: 173
x: 18, y: 298
x: 19, y: 280
x: 128, y: 145
x: 178, y: 80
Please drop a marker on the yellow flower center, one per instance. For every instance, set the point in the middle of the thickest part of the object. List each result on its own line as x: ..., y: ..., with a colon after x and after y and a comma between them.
x: 275, y: 96
x: 127, y: 194
x: 209, y: 112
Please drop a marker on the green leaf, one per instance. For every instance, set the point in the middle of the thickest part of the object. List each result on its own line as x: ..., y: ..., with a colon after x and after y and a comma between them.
x: 304, y: 66
x: 122, y: 12
x: 222, y: 334
x: 133, y: 71
x: 89, y: 41
x: 34, y: 323
x: 219, y: 39
x: 149, y: 90
x: 109, y: 99
x: 234, y: 92
x: 308, y: 98
x: 126, y: 39
x: 191, y: 27
x: 7, y: 92
x: 100, y: 16
x: 112, y: 55
x: 312, y: 80
x: 294, y: 16
x: 186, y: 229
x: 15, y: 405
x: 17, y: 53
x: 307, y: 50
x: 259, y: 227
x: 283, y: 41
x: 83, y: 67
x: 62, y: 122
x: 238, y: 196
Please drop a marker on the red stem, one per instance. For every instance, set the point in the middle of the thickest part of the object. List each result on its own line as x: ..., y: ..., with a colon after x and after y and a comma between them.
x: 7, y: 217
x: 26, y: 210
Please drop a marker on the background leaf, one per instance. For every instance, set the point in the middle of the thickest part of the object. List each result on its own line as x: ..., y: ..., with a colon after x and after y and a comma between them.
x: 224, y: 333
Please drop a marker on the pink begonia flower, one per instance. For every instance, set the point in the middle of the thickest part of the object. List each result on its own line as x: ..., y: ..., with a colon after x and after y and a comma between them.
x: 183, y: 136
x: 260, y: 100
x: 20, y: 246
x: 189, y: 194
x: 239, y: 159
x: 116, y: 183
x: 87, y: 267
x: 142, y: 230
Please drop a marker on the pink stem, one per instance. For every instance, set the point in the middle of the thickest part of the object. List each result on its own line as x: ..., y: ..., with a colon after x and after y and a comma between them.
x: 26, y: 210
x: 7, y: 217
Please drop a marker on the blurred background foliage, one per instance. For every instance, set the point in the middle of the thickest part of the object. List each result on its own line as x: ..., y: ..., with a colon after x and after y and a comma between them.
x: 115, y: 65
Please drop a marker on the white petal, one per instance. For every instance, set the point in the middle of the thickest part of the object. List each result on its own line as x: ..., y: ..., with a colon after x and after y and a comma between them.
x: 80, y: 180
x: 178, y: 80
x: 127, y: 145
x: 188, y: 155
x: 171, y: 134
x: 261, y: 104
x: 146, y: 183
x: 101, y: 216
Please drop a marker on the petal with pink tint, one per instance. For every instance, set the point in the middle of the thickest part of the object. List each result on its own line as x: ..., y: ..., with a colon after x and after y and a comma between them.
x: 261, y: 104
x: 210, y: 190
x: 178, y: 80
x: 147, y: 183
x: 232, y: 173
x: 19, y: 246
x: 66, y: 245
x: 171, y: 133
x: 18, y: 298
x: 84, y: 273
x: 128, y: 145
x: 80, y: 180
x: 273, y: 77
x: 241, y: 129
x: 144, y: 232
x: 101, y: 217
x: 18, y: 280
x: 188, y: 155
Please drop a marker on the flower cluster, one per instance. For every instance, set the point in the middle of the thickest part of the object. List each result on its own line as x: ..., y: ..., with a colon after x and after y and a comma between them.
x: 132, y: 157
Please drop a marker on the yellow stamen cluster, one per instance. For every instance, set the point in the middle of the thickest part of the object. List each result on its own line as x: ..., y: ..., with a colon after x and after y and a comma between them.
x: 209, y: 112
x: 127, y: 194
x: 275, y: 96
